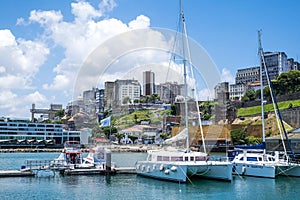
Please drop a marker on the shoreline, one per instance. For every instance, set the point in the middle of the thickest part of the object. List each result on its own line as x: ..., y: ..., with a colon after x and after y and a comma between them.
x: 113, y: 148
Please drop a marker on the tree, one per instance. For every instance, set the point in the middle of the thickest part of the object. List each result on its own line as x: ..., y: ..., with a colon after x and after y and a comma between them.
x: 119, y: 136
x: 249, y: 95
x: 238, y: 136
x: 126, y: 100
x: 173, y: 109
x: 287, y: 82
x: 60, y: 113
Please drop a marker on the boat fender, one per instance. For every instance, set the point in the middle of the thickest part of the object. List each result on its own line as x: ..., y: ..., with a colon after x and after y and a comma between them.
x: 174, y: 168
x: 154, y: 167
x: 243, y: 170
x: 167, y: 171
x: 161, y: 167
x: 148, y: 169
x: 138, y: 166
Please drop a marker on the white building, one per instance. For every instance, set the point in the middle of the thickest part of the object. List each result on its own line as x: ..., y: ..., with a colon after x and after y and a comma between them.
x: 237, y: 91
x: 16, y: 130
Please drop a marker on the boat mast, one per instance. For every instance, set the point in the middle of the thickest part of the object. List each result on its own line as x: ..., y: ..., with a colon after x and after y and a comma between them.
x: 185, y: 75
x: 277, y: 112
x: 260, y: 53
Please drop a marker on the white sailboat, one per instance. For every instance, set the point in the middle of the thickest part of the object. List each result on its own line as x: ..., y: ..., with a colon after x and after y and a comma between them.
x: 256, y: 162
x: 181, y: 164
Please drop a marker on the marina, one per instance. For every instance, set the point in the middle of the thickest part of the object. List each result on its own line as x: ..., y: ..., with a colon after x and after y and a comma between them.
x: 119, y: 186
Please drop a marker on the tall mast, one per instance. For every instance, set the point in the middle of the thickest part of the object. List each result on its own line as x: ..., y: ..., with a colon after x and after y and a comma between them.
x: 185, y: 75
x: 260, y: 53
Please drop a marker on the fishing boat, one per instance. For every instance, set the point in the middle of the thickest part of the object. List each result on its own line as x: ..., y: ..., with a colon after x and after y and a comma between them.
x: 72, y: 158
x: 254, y: 160
x: 179, y: 165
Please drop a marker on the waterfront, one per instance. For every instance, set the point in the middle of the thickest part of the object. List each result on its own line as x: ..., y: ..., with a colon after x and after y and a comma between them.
x: 133, y: 186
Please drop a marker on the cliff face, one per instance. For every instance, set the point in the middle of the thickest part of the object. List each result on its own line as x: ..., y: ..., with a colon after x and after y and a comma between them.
x: 252, y: 125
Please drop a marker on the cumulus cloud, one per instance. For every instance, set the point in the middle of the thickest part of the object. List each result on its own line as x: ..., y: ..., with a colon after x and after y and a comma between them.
x: 226, y: 76
x: 20, y: 60
x: 81, y: 40
x: 140, y: 22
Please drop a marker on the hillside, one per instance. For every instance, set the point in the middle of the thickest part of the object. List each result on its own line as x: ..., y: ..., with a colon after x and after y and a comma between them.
x: 256, y: 110
x: 152, y: 116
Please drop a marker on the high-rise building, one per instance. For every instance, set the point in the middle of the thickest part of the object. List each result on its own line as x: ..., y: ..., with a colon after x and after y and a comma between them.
x: 127, y: 88
x: 276, y: 63
x: 247, y: 75
x: 148, y: 83
x: 109, y: 95
x: 293, y: 65
x: 116, y: 92
x: 168, y: 91
x: 244, y: 77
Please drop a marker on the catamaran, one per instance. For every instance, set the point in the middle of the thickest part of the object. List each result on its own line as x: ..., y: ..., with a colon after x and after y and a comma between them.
x: 180, y: 164
x: 253, y: 160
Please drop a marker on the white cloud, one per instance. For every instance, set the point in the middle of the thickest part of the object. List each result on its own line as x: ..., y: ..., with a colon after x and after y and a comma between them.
x: 45, y: 17
x: 226, y: 76
x: 140, y: 22
x: 35, y: 97
x: 20, y: 60
x: 60, y: 82
x: 7, y: 38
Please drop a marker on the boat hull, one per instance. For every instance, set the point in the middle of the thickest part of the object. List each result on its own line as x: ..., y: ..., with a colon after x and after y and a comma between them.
x: 212, y: 170
x: 206, y: 169
x: 254, y: 169
x: 163, y: 171
x: 288, y: 169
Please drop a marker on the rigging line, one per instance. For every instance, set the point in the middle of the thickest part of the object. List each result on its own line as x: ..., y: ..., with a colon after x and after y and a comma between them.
x: 276, y: 109
x: 263, y: 65
x: 193, y: 78
x: 174, y: 46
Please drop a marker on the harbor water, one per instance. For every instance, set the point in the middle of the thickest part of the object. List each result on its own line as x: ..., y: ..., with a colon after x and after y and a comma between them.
x: 130, y: 186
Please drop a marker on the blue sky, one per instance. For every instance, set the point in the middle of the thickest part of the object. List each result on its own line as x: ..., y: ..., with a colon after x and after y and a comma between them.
x: 44, y: 43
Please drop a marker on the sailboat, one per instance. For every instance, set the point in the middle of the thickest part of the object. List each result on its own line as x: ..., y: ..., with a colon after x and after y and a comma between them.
x: 253, y: 160
x: 175, y: 164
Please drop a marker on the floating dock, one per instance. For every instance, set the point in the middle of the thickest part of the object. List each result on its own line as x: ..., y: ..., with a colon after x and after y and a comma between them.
x: 15, y: 173
x: 119, y: 170
x: 68, y: 172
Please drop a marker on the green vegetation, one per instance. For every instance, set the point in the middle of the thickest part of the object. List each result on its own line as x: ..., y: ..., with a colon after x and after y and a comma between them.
x: 153, y: 116
x: 238, y: 137
x: 287, y: 82
x: 254, y: 110
x: 206, y: 108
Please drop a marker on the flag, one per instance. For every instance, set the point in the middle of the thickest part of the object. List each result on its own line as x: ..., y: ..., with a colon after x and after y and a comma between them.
x: 105, y: 122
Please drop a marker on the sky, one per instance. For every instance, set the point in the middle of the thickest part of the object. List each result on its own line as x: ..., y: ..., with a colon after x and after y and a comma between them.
x: 52, y: 50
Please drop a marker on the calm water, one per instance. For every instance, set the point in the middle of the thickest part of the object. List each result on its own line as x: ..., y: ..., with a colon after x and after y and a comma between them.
x: 135, y: 187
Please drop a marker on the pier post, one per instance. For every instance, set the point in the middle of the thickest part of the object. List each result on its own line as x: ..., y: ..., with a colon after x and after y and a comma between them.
x: 108, y: 160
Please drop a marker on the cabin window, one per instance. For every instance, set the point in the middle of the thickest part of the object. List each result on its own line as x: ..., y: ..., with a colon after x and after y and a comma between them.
x: 242, y: 158
x: 177, y: 158
x: 186, y: 158
x: 166, y: 158
x: 251, y: 158
x: 260, y: 158
x: 200, y: 158
x: 159, y: 158
x: 192, y: 158
x: 271, y: 159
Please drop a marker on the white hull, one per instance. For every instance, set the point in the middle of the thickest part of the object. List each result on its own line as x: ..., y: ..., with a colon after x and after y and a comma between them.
x: 163, y: 170
x: 288, y: 169
x: 216, y: 170
x: 254, y: 169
